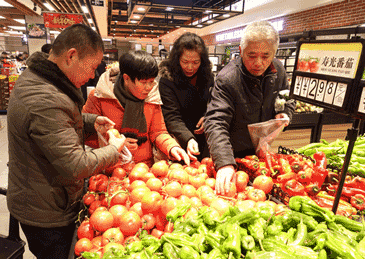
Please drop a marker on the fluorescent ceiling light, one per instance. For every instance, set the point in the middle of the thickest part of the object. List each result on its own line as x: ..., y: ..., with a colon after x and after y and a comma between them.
x: 14, y: 32
x: 19, y: 28
x: 136, y: 16
x: 5, y: 4
x: 84, y: 9
x: 93, y: 28
x: 141, y: 9
x: 208, y: 11
x: 20, y: 21
x: 90, y: 20
x: 132, y: 21
x: 210, y: 21
x: 226, y: 15
x: 49, y: 7
x: 2, y: 17
x: 199, y: 25
x: 169, y: 9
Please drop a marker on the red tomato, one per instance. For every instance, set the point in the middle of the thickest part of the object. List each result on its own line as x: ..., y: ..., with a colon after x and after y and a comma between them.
x: 154, y: 184
x: 189, y: 190
x: 179, y: 175
x: 119, y: 173
x: 263, y: 182
x: 161, y: 222
x: 173, y: 189
x: 83, y: 245
x: 119, y: 198
x: 157, y: 233
x: 168, y: 204
x: 197, y: 181
x: 98, y: 183
x: 102, y: 220
x: 242, y: 179
x: 93, y: 206
x: 117, y: 211
x: 160, y: 168
x: 137, y: 208
x: 256, y: 195
x: 137, y: 194
x: 89, y: 198
x: 148, y: 221
x: 151, y: 202
x: 211, y: 183
x: 97, y: 241
x: 195, y: 164
x: 130, y: 223
x: 112, y: 235
x: 85, y: 230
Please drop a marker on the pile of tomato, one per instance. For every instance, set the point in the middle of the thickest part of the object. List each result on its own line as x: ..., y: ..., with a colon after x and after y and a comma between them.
x: 130, y: 199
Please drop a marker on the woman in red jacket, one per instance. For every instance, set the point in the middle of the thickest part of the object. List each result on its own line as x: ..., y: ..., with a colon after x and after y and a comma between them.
x: 134, y: 104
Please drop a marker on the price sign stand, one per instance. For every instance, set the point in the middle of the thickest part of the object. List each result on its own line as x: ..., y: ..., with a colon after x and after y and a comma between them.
x: 329, y: 74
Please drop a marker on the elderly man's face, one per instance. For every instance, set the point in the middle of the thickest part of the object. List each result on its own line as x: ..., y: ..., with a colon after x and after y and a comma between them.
x: 257, y: 57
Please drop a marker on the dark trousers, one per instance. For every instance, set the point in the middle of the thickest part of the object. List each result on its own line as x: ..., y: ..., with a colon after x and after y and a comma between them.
x: 52, y: 243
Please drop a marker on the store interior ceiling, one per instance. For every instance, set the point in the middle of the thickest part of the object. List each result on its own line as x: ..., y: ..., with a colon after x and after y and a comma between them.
x: 124, y: 18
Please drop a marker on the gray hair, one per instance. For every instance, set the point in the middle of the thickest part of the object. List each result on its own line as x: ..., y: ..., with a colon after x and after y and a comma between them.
x: 260, y: 31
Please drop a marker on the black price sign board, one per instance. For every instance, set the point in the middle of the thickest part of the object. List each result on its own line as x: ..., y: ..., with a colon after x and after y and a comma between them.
x: 328, y: 74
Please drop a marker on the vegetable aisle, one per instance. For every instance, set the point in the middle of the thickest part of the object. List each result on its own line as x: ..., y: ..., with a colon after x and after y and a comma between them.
x: 171, y: 211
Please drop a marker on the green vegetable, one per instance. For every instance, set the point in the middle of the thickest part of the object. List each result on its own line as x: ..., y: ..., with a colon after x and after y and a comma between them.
x: 307, y: 206
x: 361, y: 247
x: 178, y: 211
x: 170, y: 252
x: 188, y: 252
x: 301, y: 234
x: 268, y: 255
x: 248, y: 243
x: 348, y: 223
x: 214, y: 240
x: 134, y: 247
x: 341, y: 248
x: 304, y: 252
x: 275, y: 228
x: 216, y: 254
x: 266, y: 211
x: 179, y: 239
x: 232, y: 245
x: 257, y: 228
x: 322, y: 254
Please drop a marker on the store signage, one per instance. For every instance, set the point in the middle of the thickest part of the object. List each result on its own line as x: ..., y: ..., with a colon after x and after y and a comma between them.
x: 237, y: 34
x: 60, y: 20
x: 328, y: 74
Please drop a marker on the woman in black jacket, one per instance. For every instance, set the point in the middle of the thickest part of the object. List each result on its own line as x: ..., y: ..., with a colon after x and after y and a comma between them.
x: 186, y: 78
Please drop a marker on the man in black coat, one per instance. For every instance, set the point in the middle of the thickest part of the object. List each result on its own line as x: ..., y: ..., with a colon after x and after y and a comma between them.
x: 244, y: 92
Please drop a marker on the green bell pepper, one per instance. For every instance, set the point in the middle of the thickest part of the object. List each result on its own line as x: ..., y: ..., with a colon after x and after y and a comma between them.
x: 232, y: 245
x: 307, y: 206
x: 178, y: 211
x: 257, y: 228
x: 169, y: 251
x: 188, y: 252
x: 300, y: 235
x: 134, y: 247
x: 248, y: 243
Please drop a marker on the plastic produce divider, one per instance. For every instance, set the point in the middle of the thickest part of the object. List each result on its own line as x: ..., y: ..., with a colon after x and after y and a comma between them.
x: 352, y: 135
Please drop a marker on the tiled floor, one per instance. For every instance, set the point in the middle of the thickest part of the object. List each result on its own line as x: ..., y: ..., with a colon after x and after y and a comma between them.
x: 287, y: 139
x: 4, y: 213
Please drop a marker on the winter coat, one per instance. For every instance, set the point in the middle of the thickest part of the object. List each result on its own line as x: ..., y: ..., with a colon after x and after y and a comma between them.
x: 102, y: 101
x: 239, y: 99
x: 183, y: 106
x: 47, y: 160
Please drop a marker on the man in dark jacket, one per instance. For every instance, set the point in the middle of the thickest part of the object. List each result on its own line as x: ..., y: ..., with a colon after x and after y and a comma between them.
x: 245, y: 92
x: 47, y: 159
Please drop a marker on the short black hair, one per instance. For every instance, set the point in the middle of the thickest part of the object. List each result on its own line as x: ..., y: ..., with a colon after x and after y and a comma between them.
x: 46, y: 48
x: 78, y: 36
x: 138, y: 64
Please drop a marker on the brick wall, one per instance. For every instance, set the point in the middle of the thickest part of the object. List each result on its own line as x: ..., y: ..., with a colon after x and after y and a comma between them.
x: 345, y: 13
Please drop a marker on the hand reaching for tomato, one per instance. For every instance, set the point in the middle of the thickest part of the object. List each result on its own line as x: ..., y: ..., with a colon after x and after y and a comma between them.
x: 192, y: 149
x: 103, y: 124
x: 114, y: 139
x: 179, y: 154
x: 223, y: 179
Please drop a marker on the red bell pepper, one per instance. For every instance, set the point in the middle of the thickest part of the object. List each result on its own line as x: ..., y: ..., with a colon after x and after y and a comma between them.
x: 285, y: 166
x: 319, y: 176
x: 305, y: 176
x: 346, y: 191
x: 312, y: 189
x: 294, y: 188
x: 248, y: 164
x: 358, y: 201
x: 286, y: 177
x: 321, y: 160
x: 357, y: 182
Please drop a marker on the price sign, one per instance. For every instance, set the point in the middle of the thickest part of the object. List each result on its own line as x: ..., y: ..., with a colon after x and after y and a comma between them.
x: 328, y: 73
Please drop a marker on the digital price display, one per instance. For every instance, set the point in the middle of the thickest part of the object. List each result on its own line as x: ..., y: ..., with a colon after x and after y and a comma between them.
x: 328, y: 74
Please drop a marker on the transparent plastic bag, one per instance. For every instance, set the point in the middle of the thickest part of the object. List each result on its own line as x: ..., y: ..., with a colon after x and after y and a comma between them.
x: 264, y: 133
x: 126, y: 155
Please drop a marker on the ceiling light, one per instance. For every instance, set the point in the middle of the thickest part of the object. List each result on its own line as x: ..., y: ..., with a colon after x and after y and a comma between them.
x: 199, y: 25
x: 5, y: 4
x: 49, y: 7
x: 84, y: 9
x: 208, y: 11
x: 151, y: 24
x: 2, y: 17
x: 226, y: 15
x: 141, y: 9
x: 210, y: 21
x: 21, y: 28
x: 90, y: 20
x: 20, y: 21
x: 152, y: 31
x: 169, y: 9
x: 132, y: 21
x: 136, y: 16
x: 130, y: 35
x: 177, y: 26
x: 93, y: 28
x: 14, y: 32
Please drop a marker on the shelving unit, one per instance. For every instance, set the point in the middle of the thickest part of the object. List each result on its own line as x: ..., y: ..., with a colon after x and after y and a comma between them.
x: 286, y: 54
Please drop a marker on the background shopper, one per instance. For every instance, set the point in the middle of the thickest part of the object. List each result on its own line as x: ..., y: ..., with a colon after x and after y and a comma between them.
x: 47, y: 159
x: 244, y: 93
x: 186, y: 78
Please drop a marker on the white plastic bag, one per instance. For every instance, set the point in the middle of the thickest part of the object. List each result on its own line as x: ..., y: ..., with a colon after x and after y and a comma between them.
x: 264, y: 133
x: 126, y: 155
